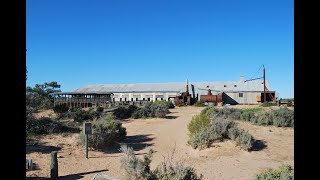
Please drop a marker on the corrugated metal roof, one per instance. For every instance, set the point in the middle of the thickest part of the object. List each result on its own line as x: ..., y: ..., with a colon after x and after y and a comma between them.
x: 88, y: 92
x: 255, y: 85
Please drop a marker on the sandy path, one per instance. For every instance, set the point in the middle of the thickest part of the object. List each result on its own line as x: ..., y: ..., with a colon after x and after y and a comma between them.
x: 222, y: 161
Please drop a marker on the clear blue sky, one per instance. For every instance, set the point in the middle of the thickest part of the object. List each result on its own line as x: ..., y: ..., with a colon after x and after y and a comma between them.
x: 82, y: 42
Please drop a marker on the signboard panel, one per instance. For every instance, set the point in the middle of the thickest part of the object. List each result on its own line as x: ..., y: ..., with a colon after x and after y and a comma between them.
x: 87, y: 128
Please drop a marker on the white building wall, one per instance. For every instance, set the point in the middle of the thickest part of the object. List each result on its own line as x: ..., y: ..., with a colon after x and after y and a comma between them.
x: 248, y: 97
x: 140, y: 96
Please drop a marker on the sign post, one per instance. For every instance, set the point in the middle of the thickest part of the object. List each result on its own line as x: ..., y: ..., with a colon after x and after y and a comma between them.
x: 87, y: 129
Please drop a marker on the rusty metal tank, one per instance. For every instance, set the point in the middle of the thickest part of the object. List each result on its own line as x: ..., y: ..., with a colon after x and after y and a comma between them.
x: 211, y: 98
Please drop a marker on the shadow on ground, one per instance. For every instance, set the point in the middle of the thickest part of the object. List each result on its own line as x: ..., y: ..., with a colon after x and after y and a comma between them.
x: 171, y: 117
x: 259, y: 145
x: 80, y: 175
x: 71, y: 176
x: 137, y: 143
x: 41, y: 148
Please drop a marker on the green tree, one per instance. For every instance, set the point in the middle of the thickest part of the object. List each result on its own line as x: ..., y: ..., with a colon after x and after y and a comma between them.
x: 38, y: 96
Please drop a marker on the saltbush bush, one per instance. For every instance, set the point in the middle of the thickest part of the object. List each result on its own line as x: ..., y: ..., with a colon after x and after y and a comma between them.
x: 218, y: 129
x: 243, y: 139
x: 177, y: 171
x: 105, y: 133
x: 151, y: 110
x: 210, y: 111
x: 229, y: 113
x: 139, y: 169
x: 198, y: 122
x: 202, y: 138
x: 246, y: 115
x: 163, y: 102
x: 283, y: 117
x: 263, y: 119
x: 123, y: 112
x: 284, y: 172
x: 134, y: 167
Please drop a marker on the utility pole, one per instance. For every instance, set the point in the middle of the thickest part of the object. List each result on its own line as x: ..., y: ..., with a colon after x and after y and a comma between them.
x: 264, y: 84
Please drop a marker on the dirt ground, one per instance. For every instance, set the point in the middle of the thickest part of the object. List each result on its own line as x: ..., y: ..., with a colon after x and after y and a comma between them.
x: 224, y: 160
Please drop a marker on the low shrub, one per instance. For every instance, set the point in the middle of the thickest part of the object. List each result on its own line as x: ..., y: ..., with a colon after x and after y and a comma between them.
x: 82, y: 115
x: 100, y: 109
x: 268, y: 104
x: 284, y: 172
x: 170, y: 105
x: 202, y: 138
x: 220, y: 129
x: 61, y: 108
x: 66, y: 115
x: 163, y: 102
x: 255, y: 110
x: 263, y: 119
x: 123, y: 112
x: 198, y: 122
x: 105, y: 133
x: 199, y: 104
x: 74, y: 109
x: 229, y: 113
x: 243, y: 139
x: 134, y: 167
x: 46, y: 125
x: 151, y: 110
x: 246, y: 115
x: 139, y: 169
x: 178, y: 171
x: 283, y: 117
x: 210, y: 111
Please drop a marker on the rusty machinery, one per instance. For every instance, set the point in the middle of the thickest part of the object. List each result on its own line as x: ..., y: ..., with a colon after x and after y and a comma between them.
x: 184, y: 98
x: 210, y: 97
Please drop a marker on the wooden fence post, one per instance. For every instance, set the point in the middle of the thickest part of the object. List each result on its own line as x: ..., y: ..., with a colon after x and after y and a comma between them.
x: 54, y: 166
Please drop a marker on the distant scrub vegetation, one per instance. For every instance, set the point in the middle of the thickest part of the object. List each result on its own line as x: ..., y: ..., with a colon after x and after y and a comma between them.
x: 213, y: 125
x: 150, y: 109
x: 80, y: 115
x: 282, y: 117
x: 105, y: 132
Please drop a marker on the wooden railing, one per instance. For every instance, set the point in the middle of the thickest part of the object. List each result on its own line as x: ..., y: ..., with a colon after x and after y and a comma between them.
x: 82, y: 99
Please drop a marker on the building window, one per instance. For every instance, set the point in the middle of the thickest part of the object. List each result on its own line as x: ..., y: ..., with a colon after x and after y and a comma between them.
x: 125, y: 99
x: 136, y: 99
x: 240, y: 94
x: 144, y: 99
x: 235, y: 85
x: 156, y: 99
x: 131, y: 99
x: 224, y: 85
x: 161, y: 99
x: 148, y: 99
x: 120, y: 99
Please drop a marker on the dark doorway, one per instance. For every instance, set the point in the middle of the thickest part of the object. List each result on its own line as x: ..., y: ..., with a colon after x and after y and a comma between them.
x: 269, y: 96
